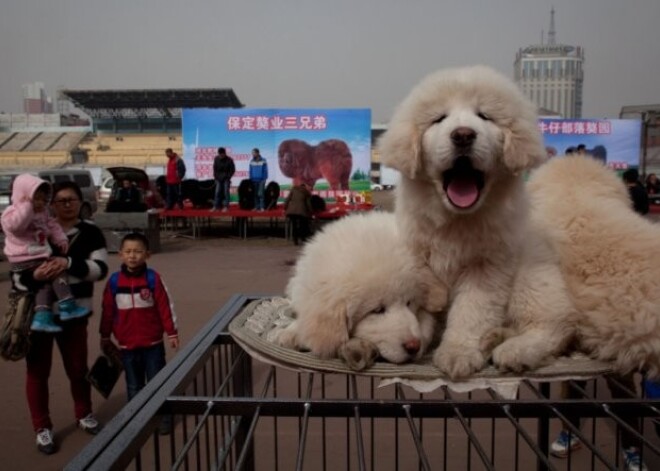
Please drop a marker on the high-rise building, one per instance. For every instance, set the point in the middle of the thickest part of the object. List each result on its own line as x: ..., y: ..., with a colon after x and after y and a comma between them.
x: 551, y: 74
x: 35, y: 99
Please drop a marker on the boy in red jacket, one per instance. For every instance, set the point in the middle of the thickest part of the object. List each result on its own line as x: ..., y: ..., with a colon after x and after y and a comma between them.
x: 137, y: 311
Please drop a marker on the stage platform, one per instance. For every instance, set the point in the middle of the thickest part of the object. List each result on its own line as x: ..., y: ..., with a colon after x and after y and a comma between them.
x: 192, y: 221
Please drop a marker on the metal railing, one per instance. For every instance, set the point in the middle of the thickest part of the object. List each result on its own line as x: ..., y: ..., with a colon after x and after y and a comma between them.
x: 232, y: 412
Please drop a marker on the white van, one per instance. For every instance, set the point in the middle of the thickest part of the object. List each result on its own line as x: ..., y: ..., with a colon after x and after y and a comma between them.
x: 82, y: 177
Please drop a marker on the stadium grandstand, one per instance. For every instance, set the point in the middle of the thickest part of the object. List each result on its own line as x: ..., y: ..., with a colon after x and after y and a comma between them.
x: 129, y: 127
x: 43, y: 149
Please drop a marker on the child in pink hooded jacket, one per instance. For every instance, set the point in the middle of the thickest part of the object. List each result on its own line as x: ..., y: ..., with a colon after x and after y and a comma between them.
x: 28, y: 228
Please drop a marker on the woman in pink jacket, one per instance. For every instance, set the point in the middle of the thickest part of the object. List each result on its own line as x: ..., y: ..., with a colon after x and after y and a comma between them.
x: 28, y: 228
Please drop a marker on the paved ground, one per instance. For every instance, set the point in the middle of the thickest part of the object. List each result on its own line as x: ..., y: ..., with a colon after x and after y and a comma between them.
x: 201, y: 276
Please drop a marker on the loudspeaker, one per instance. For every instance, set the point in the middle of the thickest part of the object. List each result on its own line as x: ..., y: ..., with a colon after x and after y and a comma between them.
x: 318, y: 203
x: 272, y: 195
x: 246, y: 195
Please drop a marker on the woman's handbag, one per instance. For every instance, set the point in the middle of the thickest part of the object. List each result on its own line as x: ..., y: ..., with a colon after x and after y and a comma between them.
x: 15, y: 331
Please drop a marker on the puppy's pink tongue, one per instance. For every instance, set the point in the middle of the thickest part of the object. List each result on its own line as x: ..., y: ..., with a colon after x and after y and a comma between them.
x: 463, y: 192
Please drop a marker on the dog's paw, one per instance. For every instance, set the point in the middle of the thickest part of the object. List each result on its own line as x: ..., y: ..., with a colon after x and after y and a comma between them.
x: 358, y: 354
x: 287, y: 337
x: 458, y: 361
x: 493, y: 338
x: 517, y: 354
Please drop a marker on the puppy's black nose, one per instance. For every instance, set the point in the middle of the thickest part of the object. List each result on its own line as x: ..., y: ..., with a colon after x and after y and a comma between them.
x: 412, y: 346
x: 463, y: 136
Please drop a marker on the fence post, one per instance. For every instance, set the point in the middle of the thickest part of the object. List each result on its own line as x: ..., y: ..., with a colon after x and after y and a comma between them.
x: 242, y: 387
x: 543, y: 432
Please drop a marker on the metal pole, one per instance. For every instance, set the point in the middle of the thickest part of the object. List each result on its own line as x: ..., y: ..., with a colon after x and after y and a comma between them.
x: 645, y: 138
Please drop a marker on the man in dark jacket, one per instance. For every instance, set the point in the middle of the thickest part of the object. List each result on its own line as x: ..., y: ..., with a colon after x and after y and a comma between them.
x: 223, y: 170
x: 638, y: 196
x: 298, y: 209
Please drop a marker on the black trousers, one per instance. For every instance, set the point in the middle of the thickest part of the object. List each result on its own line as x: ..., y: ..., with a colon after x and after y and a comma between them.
x: 174, y: 195
x: 300, y: 228
x: 616, y: 385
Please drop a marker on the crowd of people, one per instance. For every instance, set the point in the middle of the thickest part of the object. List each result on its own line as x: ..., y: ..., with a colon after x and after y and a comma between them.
x: 223, y: 171
x: 297, y: 205
x: 56, y: 257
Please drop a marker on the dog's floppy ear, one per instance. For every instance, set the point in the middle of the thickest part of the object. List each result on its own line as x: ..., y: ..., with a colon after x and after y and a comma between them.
x: 400, y: 147
x: 523, y: 145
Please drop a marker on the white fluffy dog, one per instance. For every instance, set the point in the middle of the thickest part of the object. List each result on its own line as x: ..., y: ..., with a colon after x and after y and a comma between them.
x: 461, y: 140
x: 357, y: 292
x: 609, y: 258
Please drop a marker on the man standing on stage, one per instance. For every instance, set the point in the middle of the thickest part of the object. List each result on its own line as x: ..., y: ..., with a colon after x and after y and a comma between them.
x: 176, y: 170
x: 223, y: 170
x: 258, y: 177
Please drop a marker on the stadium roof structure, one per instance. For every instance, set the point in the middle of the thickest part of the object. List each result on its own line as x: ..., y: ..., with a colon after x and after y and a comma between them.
x: 149, y: 104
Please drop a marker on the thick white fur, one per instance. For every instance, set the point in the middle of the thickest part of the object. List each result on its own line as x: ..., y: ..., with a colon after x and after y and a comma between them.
x: 609, y: 258
x: 345, y: 275
x: 474, y: 251
x: 541, y: 315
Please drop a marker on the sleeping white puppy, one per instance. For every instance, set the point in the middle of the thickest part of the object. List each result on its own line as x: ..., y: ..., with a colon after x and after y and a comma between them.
x: 358, y: 293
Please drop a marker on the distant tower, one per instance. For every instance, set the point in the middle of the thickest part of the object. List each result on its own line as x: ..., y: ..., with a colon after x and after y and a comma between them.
x: 551, y: 74
x: 551, y: 31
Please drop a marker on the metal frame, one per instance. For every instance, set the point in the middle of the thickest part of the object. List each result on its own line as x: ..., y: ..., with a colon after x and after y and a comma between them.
x: 233, y: 412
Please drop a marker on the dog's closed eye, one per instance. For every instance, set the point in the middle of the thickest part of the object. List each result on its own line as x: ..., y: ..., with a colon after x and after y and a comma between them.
x: 484, y: 116
x: 439, y: 119
x: 379, y: 310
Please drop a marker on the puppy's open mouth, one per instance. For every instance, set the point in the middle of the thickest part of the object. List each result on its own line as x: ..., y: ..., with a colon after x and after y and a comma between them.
x: 463, y: 183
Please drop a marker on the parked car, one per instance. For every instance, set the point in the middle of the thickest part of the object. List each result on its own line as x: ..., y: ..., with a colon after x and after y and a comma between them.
x: 105, y: 190
x: 376, y: 187
x: 82, y: 177
x: 150, y: 196
x: 5, y: 189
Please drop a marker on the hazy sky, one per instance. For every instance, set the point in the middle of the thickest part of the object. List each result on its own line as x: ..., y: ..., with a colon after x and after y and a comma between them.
x: 334, y: 53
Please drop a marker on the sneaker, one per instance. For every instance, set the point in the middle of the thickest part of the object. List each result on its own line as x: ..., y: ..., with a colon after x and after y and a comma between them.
x: 89, y: 424
x: 224, y: 210
x: 214, y: 210
x: 45, y: 442
x: 562, y: 446
x: 70, y: 309
x: 44, y: 321
x: 632, y: 460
